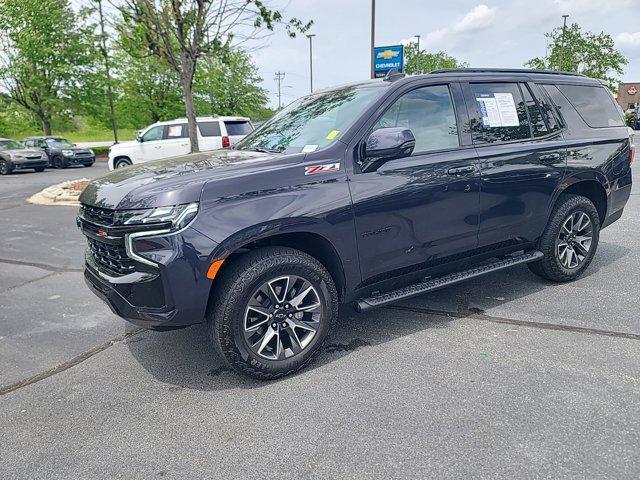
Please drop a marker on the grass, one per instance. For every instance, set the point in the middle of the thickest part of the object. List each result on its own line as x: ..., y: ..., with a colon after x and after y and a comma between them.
x: 82, y: 135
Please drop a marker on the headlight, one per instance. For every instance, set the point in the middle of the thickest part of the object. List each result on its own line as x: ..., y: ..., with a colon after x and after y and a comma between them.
x: 15, y: 156
x: 175, y: 217
x: 91, y: 150
x: 67, y: 153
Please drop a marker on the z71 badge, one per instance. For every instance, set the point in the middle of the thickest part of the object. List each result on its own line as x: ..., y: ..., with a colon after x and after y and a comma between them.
x: 315, y: 169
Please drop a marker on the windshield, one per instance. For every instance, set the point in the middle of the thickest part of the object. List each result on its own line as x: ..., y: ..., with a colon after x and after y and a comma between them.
x: 312, y: 122
x: 59, y: 142
x: 10, y: 145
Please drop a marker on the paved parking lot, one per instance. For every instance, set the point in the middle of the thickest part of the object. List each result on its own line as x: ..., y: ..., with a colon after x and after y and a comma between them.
x: 504, y: 376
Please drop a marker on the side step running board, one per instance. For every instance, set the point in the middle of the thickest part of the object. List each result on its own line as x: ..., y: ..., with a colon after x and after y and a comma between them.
x: 430, y: 285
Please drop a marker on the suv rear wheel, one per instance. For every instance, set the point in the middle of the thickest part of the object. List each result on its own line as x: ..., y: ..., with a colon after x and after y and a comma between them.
x: 569, y: 241
x: 272, y: 311
x: 122, y: 162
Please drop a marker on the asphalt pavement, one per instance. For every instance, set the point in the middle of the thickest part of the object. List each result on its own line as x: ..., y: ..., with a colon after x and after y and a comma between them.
x: 505, y: 376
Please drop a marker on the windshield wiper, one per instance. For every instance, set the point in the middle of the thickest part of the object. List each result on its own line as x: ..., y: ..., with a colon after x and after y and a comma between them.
x: 266, y: 150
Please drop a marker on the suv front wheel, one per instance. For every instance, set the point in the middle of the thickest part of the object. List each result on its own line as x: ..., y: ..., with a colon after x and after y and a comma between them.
x: 272, y: 312
x: 570, y: 239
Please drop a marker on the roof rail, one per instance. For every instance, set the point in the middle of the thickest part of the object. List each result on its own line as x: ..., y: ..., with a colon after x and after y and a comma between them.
x: 505, y: 70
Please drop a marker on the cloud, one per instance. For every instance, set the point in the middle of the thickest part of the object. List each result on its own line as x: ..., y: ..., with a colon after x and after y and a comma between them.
x: 477, y: 19
x: 628, y: 40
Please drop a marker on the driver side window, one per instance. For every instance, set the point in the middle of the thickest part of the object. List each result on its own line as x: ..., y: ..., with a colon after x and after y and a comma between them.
x: 429, y: 113
x: 154, y: 133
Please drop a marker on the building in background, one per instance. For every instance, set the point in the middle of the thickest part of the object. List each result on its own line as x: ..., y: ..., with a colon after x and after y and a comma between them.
x: 628, y: 95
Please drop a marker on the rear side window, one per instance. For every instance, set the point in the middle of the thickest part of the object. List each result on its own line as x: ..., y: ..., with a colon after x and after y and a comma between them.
x: 538, y: 125
x: 500, y: 113
x: 176, y: 131
x: 209, y: 129
x: 594, y: 104
x: 240, y: 127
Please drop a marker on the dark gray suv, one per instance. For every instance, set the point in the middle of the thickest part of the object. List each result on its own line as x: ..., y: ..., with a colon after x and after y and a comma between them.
x: 61, y: 152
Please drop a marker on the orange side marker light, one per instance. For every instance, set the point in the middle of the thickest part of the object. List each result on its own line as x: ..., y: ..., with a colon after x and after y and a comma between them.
x: 213, y: 269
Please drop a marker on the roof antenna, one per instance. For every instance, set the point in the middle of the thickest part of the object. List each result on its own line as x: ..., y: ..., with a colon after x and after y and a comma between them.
x: 393, y: 75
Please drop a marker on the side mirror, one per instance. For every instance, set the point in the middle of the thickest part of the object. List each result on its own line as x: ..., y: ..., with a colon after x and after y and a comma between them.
x: 139, y: 138
x: 389, y: 143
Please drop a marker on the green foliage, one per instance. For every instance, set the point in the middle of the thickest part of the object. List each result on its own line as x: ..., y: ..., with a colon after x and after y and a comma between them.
x: 49, y: 54
x: 182, y: 32
x: 425, y: 62
x: 593, y: 55
x: 228, y: 85
x: 148, y: 91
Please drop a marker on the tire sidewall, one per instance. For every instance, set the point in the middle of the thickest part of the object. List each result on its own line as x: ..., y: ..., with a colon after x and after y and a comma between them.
x: 229, y: 327
x: 5, y: 167
x: 575, y: 204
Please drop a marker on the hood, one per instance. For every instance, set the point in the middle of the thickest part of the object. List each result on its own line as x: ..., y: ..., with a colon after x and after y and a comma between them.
x: 24, y: 152
x: 171, y: 181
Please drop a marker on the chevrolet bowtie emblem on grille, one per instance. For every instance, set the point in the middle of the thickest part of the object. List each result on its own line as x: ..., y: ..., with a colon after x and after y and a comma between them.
x: 102, y: 233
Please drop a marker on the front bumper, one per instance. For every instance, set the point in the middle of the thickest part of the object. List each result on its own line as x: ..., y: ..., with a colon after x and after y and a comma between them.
x: 173, y: 294
x: 83, y: 160
x: 28, y: 164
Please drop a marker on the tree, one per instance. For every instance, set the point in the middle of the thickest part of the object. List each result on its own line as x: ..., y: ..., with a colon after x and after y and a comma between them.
x: 47, y: 54
x: 424, y: 62
x: 593, y: 55
x: 229, y: 85
x: 148, y: 90
x: 180, y: 32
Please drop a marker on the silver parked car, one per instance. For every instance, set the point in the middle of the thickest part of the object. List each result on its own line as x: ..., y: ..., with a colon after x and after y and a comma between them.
x: 15, y: 156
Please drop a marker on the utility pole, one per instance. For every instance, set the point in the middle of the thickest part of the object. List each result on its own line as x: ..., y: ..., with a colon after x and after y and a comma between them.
x: 373, y: 36
x: 105, y: 53
x: 310, y: 37
x: 419, y: 69
x: 279, y: 78
x: 564, y: 29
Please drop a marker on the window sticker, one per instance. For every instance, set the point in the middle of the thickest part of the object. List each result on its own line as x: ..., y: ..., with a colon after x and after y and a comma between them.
x: 309, y: 148
x: 333, y: 134
x: 174, y: 131
x: 497, y: 110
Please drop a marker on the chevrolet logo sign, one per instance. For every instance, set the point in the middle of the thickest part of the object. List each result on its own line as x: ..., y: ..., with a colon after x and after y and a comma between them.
x: 387, y: 54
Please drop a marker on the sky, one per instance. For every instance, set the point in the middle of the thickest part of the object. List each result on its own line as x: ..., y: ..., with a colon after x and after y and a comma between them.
x: 482, y: 33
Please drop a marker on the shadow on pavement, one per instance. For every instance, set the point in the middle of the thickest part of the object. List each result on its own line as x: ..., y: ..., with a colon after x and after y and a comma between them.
x: 185, y: 359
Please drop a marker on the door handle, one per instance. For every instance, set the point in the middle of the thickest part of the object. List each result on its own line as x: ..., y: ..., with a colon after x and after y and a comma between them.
x: 549, y: 157
x: 461, y: 170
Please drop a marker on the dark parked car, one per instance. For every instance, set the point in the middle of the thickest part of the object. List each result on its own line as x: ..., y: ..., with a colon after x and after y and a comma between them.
x: 61, y: 152
x: 15, y: 156
x: 369, y: 193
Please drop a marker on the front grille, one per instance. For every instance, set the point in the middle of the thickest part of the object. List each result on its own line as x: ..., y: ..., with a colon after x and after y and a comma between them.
x: 34, y: 157
x: 110, y: 256
x: 83, y: 154
x: 103, y: 216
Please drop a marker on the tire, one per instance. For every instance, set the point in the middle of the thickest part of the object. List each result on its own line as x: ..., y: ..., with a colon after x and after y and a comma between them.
x: 59, y: 162
x: 88, y: 164
x: 5, y: 167
x: 121, y: 163
x: 240, y: 287
x: 39, y: 169
x: 556, y: 266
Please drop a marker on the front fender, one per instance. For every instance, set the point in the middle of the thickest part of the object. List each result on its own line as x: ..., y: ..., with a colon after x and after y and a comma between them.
x: 237, y: 211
